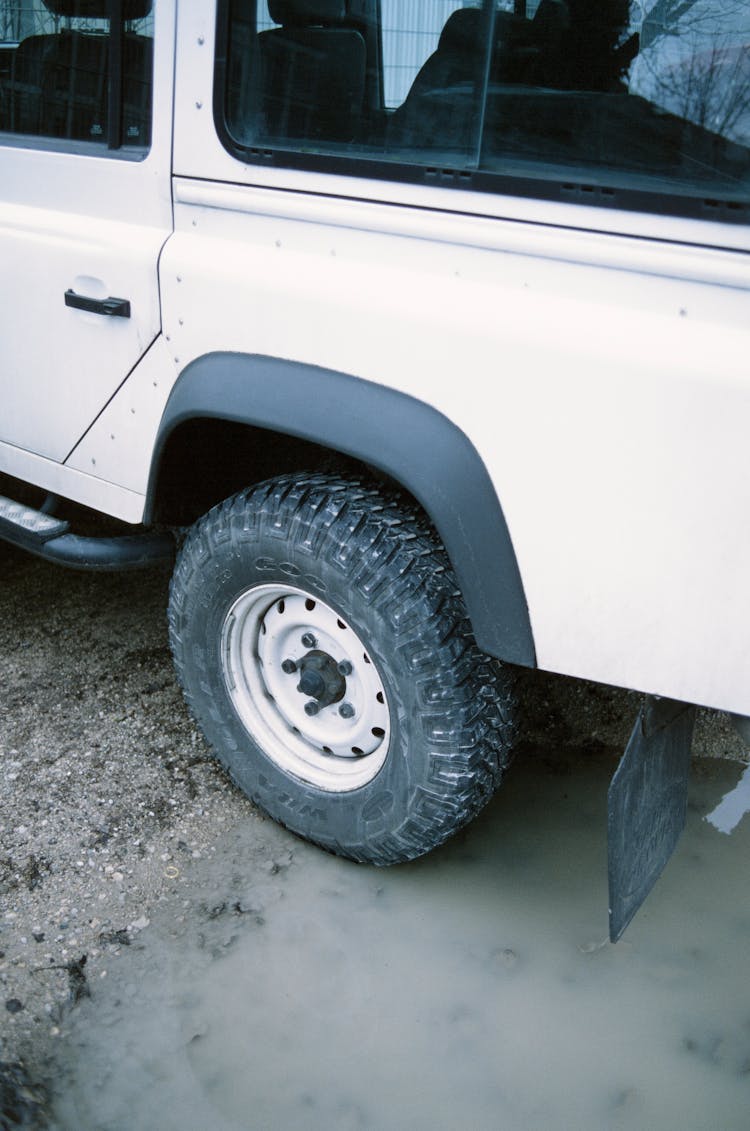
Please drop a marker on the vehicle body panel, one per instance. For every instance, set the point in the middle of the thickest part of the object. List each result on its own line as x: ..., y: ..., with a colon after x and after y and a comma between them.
x: 102, y: 238
x: 621, y: 471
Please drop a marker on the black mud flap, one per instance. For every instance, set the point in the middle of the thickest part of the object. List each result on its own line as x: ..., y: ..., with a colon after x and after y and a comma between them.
x: 647, y: 805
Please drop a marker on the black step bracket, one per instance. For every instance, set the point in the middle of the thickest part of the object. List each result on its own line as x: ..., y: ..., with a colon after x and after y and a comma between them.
x: 51, y: 538
x: 647, y: 805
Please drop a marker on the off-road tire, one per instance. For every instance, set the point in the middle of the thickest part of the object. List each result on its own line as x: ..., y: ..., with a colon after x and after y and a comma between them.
x: 369, y: 555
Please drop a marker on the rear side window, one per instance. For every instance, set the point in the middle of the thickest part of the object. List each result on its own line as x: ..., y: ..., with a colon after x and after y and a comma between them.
x: 77, y: 70
x: 625, y: 104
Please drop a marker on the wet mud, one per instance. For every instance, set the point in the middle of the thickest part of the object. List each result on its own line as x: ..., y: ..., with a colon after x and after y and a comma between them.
x: 285, y: 988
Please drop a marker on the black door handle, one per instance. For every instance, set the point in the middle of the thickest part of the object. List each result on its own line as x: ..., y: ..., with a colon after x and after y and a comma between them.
x: 112, y: 307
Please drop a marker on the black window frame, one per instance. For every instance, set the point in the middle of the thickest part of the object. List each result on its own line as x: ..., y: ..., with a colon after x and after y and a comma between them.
x: 562, y: 190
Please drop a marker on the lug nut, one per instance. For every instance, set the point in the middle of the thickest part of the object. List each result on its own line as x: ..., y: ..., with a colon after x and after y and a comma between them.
x: 344, y: 668
x: 346, y: 711
x: 309, y: 641
x: 311, y: 708
x: 289, y: 666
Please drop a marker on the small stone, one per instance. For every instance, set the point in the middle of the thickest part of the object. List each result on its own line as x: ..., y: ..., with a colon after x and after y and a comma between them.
x: 13, y: 1005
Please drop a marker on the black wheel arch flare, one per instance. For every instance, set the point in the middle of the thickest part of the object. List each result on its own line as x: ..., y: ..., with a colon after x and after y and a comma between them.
x: 407, y: 439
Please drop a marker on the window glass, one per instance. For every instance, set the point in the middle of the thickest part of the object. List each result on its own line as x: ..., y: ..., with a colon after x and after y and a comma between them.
x: 409, y: 38
x: 314, y: 77
x: 59, y: 62
x: 653, y: 96
x: 628, y: 102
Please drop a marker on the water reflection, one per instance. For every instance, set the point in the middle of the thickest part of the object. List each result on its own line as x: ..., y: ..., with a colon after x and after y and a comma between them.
x: 473, y: 988
x: 733, y: 806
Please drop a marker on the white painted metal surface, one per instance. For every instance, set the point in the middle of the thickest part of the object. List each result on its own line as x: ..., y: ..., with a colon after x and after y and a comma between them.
x: 118, y: 448
x: 608, y: 403
x: 109, y: 498
x: 93, y: 223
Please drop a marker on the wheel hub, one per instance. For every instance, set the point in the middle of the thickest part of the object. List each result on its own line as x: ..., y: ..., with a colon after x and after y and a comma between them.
x: 320, y: 678
x: 305, y: 687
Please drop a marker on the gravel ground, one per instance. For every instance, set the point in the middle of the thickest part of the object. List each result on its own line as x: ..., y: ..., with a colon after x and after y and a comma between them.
x: 109, y: 792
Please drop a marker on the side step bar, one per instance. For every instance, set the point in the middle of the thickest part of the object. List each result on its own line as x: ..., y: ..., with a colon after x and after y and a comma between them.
x: 51, y: 538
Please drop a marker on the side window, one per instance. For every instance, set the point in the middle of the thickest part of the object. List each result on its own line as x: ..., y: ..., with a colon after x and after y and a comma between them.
x: 336, y: 78
x: 77, y: 70
x: 623, y: 103
x: 651, y: 97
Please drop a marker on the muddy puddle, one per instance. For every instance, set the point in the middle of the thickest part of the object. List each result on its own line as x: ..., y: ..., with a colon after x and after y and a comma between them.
x: 286, y: 989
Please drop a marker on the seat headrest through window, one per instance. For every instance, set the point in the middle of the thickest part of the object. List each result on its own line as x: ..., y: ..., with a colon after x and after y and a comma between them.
x: 463, y: 31
x: 306, y: 13
x: 97, y: 9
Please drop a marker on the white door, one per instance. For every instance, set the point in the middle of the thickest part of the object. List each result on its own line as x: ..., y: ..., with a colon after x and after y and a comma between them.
x: 84, y: 208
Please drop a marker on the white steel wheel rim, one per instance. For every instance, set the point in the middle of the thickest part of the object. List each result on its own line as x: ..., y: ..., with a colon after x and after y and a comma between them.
x: 344, y: 745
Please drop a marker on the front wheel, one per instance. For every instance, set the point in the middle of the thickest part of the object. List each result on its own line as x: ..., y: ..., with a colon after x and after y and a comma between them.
x: 323, y: 647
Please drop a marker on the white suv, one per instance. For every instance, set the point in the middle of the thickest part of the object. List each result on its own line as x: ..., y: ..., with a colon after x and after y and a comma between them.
x: 425, y: 329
